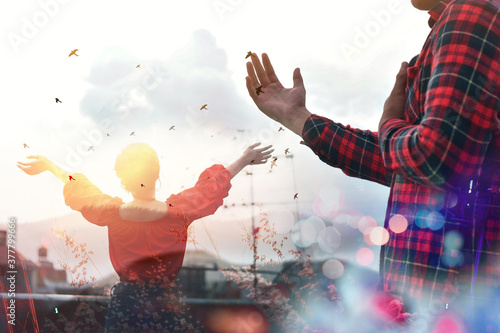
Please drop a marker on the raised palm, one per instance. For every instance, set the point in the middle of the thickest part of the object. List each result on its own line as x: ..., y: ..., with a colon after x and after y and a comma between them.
x: 39, y: 165
x: 284, y: 105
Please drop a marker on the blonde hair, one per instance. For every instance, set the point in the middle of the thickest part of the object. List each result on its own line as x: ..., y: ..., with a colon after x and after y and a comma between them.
x: 138, y: 167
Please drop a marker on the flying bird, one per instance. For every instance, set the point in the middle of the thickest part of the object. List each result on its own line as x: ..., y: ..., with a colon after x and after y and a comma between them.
x: 73, y: 53
x: 107, y: 134
x: 281, y: 129
x: 90, y: 148
x: 172, y: 128
x: 249, y: 54
x: 249, y: 173
x: 71, y: 178
x: 142, y: 185
x: 25, y: 145
x: 138, y: 66
x: 273, y: 163
x: 58, y: 100
x: 133, y: 133
x: 204, y: 107
x: 295, y: 196
x: 259, y: 90
x: 287, y: 151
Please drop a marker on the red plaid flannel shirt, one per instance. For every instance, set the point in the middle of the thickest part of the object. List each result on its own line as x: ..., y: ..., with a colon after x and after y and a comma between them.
x: 432, y: 160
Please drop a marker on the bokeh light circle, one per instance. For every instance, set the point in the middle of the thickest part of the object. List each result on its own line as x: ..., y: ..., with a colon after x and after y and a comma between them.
x: 453, y: 240
x: 329, y: 199
x: 365, y: 223
x: 304, y: 233
x: 421, y: 219
x: 398, y: 223
x: 364, y: 256
x: 379, y: 236
x: 452, y: 258
x: 333, y: 269
x: 329, y: 239
x: 435, y: 221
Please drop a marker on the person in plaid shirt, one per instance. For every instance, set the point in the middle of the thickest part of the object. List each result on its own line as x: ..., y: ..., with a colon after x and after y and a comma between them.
x: 438, y: 148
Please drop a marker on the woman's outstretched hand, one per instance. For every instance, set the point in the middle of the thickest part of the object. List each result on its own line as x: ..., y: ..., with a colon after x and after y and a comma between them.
x: 251, y: 155
x: 39, y: 165
x: 257, y: 156
x: 284, y: 105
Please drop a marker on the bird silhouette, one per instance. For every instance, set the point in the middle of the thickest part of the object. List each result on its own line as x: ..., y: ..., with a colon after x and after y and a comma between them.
x: 133, y: 133
x: 73, y: 53
x: 287, y: 151
x: 259, y: 90
x: 90, y: 148
x: 295, y: 196
x: 58, y: 100
x: 142, y: 185
x: 138, y: 66
x: 71, y: 178
x: 172, y: 128
x: 249, y: 173
x: 281, y: 129
x: 107, y: 134
x: 204, y: 107
x: 249, y: 54
x: 25, y: 145
x: 273, y: 163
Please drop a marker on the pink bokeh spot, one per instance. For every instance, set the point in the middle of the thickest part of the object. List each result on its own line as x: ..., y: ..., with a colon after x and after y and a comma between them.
x: 398, y: 223
x: 448, y: 324
x: 364, y: 256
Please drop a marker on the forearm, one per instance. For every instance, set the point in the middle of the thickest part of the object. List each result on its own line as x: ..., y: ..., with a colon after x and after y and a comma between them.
x: 237, y: 166
x: 296, y: 124
x: 59, y: 172
x: 355, y: 152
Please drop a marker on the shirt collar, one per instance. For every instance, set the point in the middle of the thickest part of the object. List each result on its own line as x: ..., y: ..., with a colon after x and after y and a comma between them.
x: 437, y: 10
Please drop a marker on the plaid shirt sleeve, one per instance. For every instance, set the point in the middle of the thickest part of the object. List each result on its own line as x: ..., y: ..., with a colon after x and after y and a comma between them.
x: 354, y: 151
x: 461, y: 102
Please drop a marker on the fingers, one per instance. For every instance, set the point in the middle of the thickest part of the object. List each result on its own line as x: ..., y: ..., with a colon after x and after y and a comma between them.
x: 261, y: 73
x: 25, y: 164
x: 250, y: 88
x: 25, y: 169
x: 251, y: 74
x: 265, y: 148
x: 254, y: 145
x: 400, y: 84
x: 297, y: 79
x: 269, y: 69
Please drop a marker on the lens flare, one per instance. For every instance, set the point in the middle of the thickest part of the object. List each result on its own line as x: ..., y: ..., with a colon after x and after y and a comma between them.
x: 365, y: 223
x: 435, y: 221
x: 379, y: 236
x: 453, y: 240
x: 305, y: 233
x: 333, y: 269
x: 398, y: 223
x: 364, y: 256
x: 329, y: 239
x: 329, y: 200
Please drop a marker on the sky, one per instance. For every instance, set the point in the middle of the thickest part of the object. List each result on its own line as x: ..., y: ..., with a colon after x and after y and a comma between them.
x: 192, y: 53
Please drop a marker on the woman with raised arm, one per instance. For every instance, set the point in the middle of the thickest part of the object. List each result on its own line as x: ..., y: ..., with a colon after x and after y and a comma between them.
x: 147, y: 237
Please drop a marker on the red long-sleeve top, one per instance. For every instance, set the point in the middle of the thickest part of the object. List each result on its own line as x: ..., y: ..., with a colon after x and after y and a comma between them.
x: 153, y: 251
